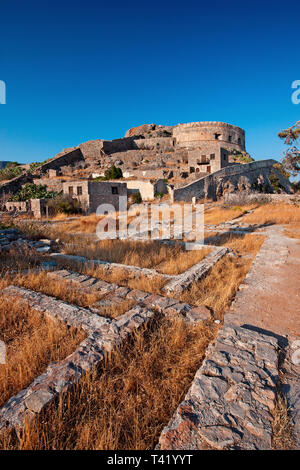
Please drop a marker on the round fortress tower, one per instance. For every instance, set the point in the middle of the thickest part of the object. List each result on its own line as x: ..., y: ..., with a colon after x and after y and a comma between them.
x: 195, y: 134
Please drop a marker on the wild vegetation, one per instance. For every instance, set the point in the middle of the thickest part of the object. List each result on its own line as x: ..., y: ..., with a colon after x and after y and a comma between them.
x: 274, y: 214
x: 12, y: 170
x: 32, y: 342
x: 126, y: 403
x: 164, y: 258
x: 217, y: 215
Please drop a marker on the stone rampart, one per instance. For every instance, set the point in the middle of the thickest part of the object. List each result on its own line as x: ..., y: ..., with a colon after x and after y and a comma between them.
x: 194, y: 133
x: 229, y: 179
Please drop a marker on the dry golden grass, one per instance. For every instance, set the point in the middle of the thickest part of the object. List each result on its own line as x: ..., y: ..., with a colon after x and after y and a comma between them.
x: 61, y: 289
x: 274, y: 214
x: 166, y: 259
x: 117, y: 309
x: 218, y: 289
x: 33, y: 341
x: 181, y: 261
x: 217, y: 215
x: 17, y: 259
x: 85, y: 224
x: 248, y: 244
x: 282, y: 438
x: 122, y: 277
x: 293, y: 231
x: 125, y: 405
x: 153, y: 285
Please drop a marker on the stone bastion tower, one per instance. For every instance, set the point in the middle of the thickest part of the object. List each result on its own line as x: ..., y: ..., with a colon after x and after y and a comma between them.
x: 197, y: 134
x: 208, y: 144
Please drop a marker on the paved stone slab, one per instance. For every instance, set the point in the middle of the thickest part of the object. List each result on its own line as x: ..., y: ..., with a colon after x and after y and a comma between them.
x: 230, y: 401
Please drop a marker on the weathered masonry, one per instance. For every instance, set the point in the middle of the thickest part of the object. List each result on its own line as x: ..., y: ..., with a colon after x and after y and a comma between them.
x: 232, y: 178
x: 92, y: 194
x: 197, y: 134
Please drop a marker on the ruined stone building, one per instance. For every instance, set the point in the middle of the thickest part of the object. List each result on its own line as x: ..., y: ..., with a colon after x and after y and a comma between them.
x: 92, y: 194
x: 150, y: 156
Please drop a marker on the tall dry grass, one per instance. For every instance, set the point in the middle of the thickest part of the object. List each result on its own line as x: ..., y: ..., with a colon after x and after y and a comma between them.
x: 122, y: 277
x: 218, y: 289
x: 126, y: 404
x: 216, y: 215
x: 282, y: 438
x: 85, y: 224
x: 32, y: 342
x: 274, y: 214
x: 293, y: 230
x: 248, y: 244
x: 19, y: 258
x: 40, y: 282
x: 167, y: 259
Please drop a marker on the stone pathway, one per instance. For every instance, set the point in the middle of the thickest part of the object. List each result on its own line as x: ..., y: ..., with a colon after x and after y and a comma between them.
x: 231, y: 398
x: 230, y: 402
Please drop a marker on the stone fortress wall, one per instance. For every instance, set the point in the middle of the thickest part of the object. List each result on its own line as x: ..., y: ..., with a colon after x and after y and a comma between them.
x: 229, y: 179
x: 197, y: 134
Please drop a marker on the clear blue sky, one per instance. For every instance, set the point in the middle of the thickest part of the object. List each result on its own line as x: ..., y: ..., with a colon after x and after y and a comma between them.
x: 77, y: 70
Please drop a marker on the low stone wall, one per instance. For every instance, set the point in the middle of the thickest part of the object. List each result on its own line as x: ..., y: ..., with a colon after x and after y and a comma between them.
x: 230, y: 178
x: 52, y: 184
x: 57, y: 162
x: 13, y: 186
x: 249, y: 198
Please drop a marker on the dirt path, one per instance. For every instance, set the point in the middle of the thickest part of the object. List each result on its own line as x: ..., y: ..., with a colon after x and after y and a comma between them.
x: 269, y: 298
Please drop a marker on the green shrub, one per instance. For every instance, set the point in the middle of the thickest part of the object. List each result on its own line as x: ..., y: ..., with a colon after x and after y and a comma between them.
x: 33, y: 191
x: 275, y: 182
x: 113, y: 173
x: 64, y: 204
x: 10, y: 172
x: 136, y: 198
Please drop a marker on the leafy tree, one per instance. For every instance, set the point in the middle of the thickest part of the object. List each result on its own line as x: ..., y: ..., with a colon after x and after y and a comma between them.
x: 33, y: 191
x: 291, y: 159
x: 113, y: 173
